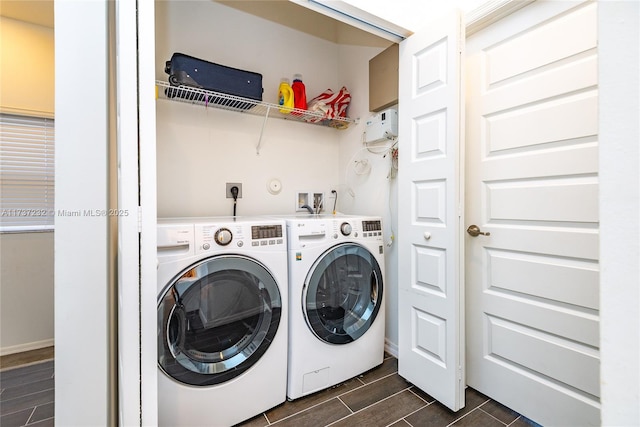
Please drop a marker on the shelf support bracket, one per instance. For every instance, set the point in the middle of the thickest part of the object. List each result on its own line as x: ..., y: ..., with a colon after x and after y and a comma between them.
x: 264, y: 123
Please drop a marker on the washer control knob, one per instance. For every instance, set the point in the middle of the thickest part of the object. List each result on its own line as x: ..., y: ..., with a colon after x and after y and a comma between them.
x: 206, y: 246
x: 223, y: 236
x: 345, y: 228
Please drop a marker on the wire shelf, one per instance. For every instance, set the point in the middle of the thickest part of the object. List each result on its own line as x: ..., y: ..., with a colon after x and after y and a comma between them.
x: 224, y: 101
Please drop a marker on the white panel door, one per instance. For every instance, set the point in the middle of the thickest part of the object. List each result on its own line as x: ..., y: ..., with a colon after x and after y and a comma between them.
x: 431, y: 336
x: 532, y: 285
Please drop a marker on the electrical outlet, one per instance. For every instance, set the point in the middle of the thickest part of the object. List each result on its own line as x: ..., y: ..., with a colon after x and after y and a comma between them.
x: 230, y: 185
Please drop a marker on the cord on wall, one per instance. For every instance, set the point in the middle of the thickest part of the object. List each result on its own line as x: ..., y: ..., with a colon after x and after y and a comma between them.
x: 234, y: 192
x: 363, y: 166
x: 335, y: 200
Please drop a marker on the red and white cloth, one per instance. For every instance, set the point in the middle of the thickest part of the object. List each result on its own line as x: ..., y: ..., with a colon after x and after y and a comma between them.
x: 330, y: 104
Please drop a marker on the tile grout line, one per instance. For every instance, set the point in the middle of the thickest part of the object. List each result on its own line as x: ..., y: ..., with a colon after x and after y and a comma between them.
x: 397, y: 421
x: 304, y: 410
x: 30, y: 394
x: 264, y: 415
x: 33, y: 411
x: 418, y: 396
x: 312, y: 407
x: 477, y: 407
x: 39, y: 421
x: 369, y: 406
x: 20, y: 398
x: 346, y: 406
x: 458, y: 419
x: 419, y: 409
x: 362, y: 384
x: 512, y: 422
x: 405, y: 420
x: 490, y: 414
x: 379, y: 379
x: 27, y: 383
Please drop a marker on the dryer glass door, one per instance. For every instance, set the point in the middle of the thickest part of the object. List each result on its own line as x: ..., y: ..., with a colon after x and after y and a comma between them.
x: 343, y: 294
x: 217, y: 319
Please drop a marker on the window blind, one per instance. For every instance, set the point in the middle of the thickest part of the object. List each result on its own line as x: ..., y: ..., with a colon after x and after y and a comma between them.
x: 26, y: 173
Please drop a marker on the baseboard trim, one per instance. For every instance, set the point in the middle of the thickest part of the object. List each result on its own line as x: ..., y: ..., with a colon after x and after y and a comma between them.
x: 20, y: 348
x: 391, y: 348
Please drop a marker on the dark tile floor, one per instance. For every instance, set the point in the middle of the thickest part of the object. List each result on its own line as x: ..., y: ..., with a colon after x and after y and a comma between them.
x: 26, y: 395
x: 379, y: 397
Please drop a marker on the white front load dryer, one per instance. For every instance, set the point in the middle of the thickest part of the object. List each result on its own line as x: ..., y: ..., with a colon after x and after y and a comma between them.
x: 222, y: 319
x: 337, y: 303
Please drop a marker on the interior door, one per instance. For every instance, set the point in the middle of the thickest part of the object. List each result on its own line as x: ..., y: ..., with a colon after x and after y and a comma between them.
x: 431, y: 335
x: 532, y: 186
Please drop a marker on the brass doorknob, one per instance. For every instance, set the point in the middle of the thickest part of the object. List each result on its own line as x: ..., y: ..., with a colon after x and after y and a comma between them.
x: 474, y: 231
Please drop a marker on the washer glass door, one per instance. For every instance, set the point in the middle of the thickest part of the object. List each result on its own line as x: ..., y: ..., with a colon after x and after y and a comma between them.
x: 343, y: 293
x: 216, y: 319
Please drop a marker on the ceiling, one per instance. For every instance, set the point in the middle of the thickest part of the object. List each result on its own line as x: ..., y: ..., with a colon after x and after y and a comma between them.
x: 38, y: 12
x: 286, y: 13
x: 307, y: 21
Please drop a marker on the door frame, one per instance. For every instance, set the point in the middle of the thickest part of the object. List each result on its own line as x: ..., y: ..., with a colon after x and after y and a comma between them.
x: 619, y: 187
x: 618, y: 71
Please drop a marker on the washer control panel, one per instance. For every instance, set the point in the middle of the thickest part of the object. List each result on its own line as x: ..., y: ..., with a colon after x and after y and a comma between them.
x: 222, y: 236
x: 267, y: 235
x: 211, y: 236
x: 345, y: 228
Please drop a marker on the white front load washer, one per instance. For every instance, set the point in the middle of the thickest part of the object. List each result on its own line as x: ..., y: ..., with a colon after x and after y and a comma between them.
x: 222, y: 319
x: 337, y: 304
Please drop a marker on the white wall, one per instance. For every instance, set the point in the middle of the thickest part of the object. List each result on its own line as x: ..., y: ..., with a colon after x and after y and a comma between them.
x: 26, y: 68
x: 619, y: 89
x: 26, y: 259
x: 26, y: 285
x: 372, y: 193
x: 199, y: 149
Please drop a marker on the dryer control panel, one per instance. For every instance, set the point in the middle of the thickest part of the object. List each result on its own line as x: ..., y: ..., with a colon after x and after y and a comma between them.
x: 357, y: 228
x: 372, y: 228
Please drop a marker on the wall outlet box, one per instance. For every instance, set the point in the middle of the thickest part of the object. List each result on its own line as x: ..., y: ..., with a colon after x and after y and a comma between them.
x: 381, y: 127
x: 313, y: 199
x: 229, y: 186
